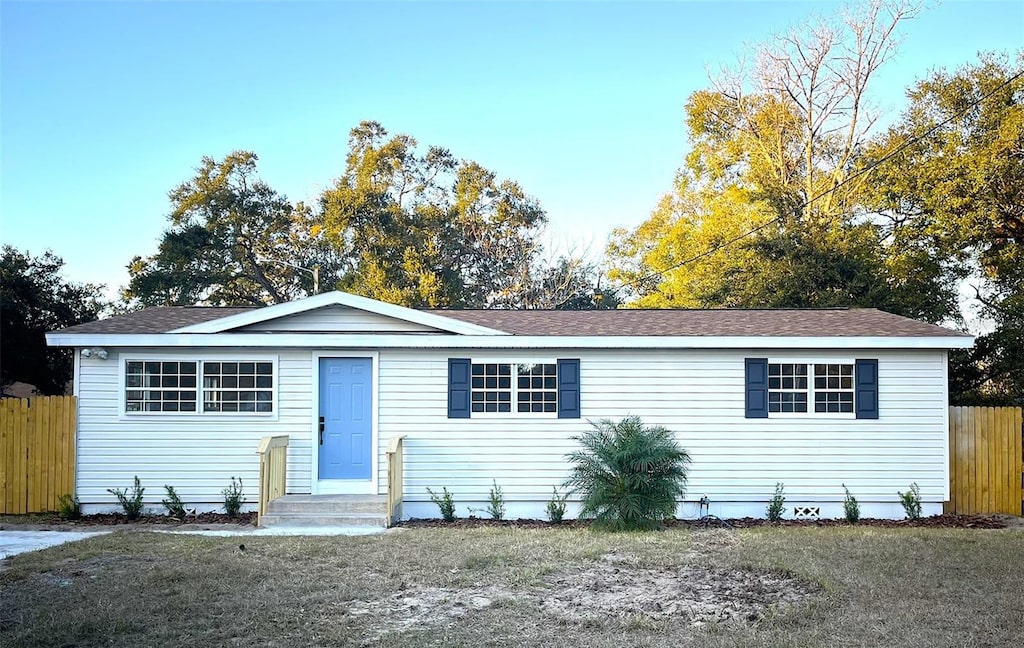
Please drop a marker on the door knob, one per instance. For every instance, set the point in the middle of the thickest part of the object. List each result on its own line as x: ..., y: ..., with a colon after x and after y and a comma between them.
x: 321, y: 430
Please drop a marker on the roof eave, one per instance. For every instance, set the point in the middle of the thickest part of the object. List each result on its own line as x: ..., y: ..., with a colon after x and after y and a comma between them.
x: 430, y: 341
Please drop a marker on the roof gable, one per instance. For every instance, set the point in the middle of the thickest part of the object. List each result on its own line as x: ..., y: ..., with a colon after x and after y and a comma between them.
x: 337, y: 298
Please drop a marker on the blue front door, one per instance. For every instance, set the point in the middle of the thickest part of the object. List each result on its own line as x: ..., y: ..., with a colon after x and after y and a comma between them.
x: 346, y: 432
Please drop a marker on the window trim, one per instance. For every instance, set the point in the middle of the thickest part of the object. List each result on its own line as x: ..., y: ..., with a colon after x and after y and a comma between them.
x: 124, y: 358
x: 515, y: 362
x: 810, y: 362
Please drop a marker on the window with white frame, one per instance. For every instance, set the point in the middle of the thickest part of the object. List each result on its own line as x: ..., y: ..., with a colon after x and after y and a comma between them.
x: 492, y: 387
x: 238, y: 386
x: 833, y: 388
x: 787, y: 387
x: 160, y: 386
x: 533, y: 387
x: 537, y: 387
x: 232, y: 386
x: 791, y: 390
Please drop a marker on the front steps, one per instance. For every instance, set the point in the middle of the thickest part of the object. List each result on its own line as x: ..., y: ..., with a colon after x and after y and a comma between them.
x: 327, y: 510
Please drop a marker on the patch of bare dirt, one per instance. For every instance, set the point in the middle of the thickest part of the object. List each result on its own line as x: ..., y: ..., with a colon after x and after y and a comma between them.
x: 612, y: 589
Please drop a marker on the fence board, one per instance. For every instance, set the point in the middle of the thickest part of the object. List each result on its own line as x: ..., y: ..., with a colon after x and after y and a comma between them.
x: 37, y: 452
x: 986, y: 462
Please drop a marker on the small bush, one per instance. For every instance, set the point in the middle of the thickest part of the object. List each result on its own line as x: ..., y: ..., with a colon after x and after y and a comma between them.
x: 850, y: 507
x: 173, y: 504
x: 233, y: 497
x: 68, y: 507
x: 496, y: 502
x: 130, y: 500
x: 629, y: 476
x: 445, y: 502
x: 556, y: 506
x: 776, y: 506
x: 911, y: 501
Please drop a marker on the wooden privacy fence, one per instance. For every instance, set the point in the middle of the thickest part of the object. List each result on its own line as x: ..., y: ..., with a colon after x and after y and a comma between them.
x: 37, y: 452
x: 986, y: 458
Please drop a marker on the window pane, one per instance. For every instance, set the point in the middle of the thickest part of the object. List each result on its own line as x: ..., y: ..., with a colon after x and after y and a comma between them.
x: 264, y: 368
x: 247, y: 368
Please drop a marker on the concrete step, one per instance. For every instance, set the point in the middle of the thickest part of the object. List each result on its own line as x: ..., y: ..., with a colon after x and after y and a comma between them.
x: 329, y: 504
x: 324, y: 520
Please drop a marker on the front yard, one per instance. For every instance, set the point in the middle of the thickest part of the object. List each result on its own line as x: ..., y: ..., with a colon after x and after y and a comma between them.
x: 470, y: 587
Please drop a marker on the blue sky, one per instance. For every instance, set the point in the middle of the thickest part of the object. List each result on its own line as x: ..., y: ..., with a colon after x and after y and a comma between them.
x: 107, y: 106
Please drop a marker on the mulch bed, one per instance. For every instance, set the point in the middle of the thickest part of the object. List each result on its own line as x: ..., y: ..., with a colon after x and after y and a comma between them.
x: 935, y: 521
x: 113, y: 519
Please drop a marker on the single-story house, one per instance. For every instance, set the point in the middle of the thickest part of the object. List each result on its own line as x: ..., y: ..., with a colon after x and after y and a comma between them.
x: 812, y: 398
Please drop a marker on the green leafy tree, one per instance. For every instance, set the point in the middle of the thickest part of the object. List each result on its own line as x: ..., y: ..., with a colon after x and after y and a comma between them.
x: 232, y: 240
x: 766, y: 211
x: 35, y: 299
x: 629, y: 476
x: 957, y: 194
x: 425, y: 229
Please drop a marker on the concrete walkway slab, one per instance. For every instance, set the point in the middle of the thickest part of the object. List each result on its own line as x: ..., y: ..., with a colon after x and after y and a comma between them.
x: 16, y: 542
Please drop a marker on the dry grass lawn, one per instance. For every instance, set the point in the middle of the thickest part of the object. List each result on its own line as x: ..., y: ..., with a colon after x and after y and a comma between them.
x: 510, y: 587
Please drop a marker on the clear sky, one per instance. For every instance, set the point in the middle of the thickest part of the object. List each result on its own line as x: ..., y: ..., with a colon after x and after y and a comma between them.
x: 107, y: 106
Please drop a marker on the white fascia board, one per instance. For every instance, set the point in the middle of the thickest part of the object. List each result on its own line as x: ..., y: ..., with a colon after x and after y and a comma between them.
x: 420, y: 341
x: 338, y: 298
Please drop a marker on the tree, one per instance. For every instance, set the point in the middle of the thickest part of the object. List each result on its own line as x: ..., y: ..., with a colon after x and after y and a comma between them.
x: 766, y: 209
x: 958, y: 191
x: 426, y: 229
x: 232, y: 240
x: 35, y: 299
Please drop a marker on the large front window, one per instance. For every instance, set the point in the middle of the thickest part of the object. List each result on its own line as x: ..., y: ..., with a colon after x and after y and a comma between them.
x: 193, y: 386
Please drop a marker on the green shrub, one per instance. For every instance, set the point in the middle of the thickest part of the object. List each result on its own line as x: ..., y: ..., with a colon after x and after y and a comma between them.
x: 173, y: 504
x: 775, y: 508
x: 911, y: 501
x: 68, y: 507
x: 496, y: 502
x: 628, y: 476
x: 233, y: 497
x: 556, y: 506
x: 130, y: 500
x: 850, y: 507
x: 446, y: 503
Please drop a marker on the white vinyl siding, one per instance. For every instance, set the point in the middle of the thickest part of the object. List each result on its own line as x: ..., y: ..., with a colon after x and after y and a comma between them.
x: 197, y: 453
x: 339, y: 319
x: 697, y: 393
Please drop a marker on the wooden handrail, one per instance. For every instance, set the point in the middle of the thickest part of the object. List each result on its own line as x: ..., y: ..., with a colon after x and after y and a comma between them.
x: 273, y: 452
x: 395, y: 458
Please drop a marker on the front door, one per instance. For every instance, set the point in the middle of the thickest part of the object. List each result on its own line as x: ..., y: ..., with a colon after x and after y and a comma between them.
x: 345, y: 423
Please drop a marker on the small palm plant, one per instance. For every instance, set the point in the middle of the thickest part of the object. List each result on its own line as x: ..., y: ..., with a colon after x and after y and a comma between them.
x: 628, y: 476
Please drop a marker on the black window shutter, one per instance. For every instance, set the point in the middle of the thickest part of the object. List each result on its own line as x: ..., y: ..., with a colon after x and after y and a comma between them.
x: 757, y: 388
x: 569, y: 388
x: 866, y: 397
x: 458, y: 387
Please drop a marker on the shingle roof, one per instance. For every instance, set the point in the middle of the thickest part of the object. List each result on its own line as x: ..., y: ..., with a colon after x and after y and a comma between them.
x: 837, y: 322
x: 159, y: 319
x: 713, y: 322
